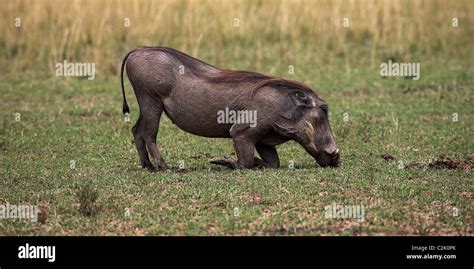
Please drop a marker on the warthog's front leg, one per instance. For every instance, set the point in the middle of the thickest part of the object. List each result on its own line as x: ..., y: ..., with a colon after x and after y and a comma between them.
x: 244, y: 148
x: 244, y: 139
x: 232, y: 163
x: 225, y: 161
x: 269, y: 155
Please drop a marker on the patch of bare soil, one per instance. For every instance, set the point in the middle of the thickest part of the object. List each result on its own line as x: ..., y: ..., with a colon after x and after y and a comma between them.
x: 445, y: 162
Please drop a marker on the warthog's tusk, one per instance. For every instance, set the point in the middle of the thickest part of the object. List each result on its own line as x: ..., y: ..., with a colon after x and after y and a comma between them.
x: 310, y: 134
x: 337, y: 151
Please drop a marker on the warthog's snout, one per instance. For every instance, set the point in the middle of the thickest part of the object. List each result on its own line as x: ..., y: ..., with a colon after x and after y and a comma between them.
x: 329, y: 158
x: 335, y: 158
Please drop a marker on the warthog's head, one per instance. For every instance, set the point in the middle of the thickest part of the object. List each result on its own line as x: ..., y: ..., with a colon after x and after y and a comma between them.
x: 307, y: 122
x: 319, y: 141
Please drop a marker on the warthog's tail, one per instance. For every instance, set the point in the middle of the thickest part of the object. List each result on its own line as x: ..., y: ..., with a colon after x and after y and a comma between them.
x: 125, y: 109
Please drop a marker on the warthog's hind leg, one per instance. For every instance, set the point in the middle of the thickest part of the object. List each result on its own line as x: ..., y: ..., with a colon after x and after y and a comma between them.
x: 151, y: 122
x: 140, y: 145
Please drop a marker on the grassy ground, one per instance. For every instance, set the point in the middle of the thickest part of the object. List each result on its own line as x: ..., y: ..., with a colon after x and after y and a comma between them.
x: 76, y: 119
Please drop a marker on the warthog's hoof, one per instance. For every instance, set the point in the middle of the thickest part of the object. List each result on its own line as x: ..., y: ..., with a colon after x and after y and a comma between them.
x: 153, y: 169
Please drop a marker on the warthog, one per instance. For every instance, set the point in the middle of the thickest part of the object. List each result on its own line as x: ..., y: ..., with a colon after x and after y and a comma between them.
x: 196, y: 96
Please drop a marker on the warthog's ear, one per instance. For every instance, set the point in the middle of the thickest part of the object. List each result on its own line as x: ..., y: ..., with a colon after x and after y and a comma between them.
x: 294, y: 105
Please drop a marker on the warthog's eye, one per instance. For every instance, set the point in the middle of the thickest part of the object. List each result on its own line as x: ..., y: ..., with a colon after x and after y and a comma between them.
x: 324, y: 108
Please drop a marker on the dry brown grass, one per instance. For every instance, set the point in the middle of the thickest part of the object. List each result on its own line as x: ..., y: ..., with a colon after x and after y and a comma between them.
x: 94, y: 31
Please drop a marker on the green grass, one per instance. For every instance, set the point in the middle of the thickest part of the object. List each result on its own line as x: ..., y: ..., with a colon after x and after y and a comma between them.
x: 75, y: 119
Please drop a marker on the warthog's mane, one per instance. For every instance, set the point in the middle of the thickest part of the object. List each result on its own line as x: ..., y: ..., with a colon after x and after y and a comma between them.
x: 282, y: 83
x: 217, y: 75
